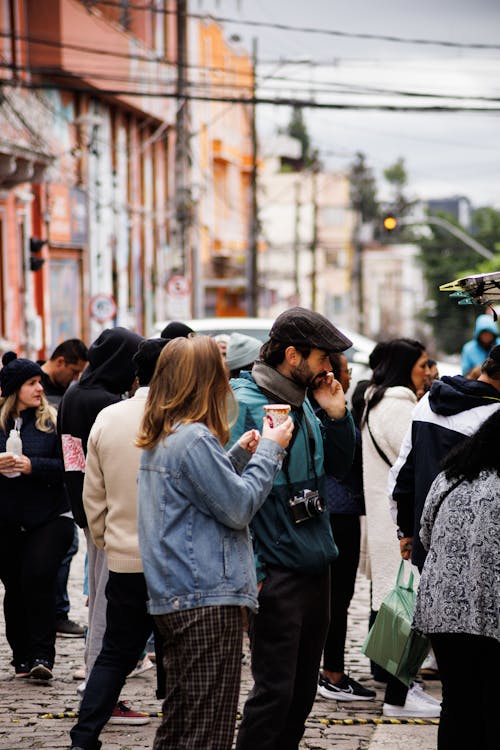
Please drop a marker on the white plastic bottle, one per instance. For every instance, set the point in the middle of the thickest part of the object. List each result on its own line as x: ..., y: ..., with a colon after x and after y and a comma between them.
x: 14, y: 445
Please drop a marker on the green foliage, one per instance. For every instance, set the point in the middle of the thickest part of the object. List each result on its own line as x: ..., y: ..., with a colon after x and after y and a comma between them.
x: 445, y: 258
x: 298, y: 129
x: 396, y: 175
x: 363, y: 187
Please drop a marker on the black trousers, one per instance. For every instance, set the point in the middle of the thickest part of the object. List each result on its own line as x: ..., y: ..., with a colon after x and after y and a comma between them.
x: 128, y: 626
x: 29, y: 561
x: 469, y: 715
x: 287, y: 637
x: 346, y: 532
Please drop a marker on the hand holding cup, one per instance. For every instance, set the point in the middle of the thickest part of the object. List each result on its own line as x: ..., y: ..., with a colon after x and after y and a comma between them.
x: 281, y: 434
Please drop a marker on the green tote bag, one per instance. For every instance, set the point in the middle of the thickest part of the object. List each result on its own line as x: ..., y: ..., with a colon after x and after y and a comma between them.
x: 392, y: 642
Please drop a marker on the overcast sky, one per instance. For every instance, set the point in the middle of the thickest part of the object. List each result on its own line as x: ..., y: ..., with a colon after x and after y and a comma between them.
x: 445, y: 154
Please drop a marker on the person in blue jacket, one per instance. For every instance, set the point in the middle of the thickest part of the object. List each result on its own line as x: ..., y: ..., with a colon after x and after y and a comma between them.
x: 195, y: 501
x: 475, y: 351
x: 293, y: 541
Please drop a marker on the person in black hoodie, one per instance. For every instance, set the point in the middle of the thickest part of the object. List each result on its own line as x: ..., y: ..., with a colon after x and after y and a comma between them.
x: 36, y: 528
x: 109, y: 374
x: 453, y: 409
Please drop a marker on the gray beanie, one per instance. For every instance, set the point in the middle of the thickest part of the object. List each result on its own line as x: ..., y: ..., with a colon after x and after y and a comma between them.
x: 242, y: 350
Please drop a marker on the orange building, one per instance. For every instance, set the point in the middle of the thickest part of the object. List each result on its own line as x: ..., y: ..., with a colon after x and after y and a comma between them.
x: 84, y: 166
x: 221, y: 168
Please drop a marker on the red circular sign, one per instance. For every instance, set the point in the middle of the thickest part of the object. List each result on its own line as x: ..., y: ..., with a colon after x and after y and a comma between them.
x: 102, y: 307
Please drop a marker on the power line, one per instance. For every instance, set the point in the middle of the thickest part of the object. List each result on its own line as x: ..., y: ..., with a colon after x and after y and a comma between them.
x: 276, y: 101
x: 333, y: 87
x: 307, y: 29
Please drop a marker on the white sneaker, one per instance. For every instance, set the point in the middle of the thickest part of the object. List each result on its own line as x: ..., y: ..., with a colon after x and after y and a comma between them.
x: 142, y: 666
x: 429, y: 661
x: 417, y: 689
x: 415, y: 707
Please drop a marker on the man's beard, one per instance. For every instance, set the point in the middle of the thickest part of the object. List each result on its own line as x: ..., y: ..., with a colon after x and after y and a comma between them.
x: 302, y: 375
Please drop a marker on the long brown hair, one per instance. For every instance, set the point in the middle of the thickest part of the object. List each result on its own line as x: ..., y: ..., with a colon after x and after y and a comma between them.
x: 190, y: 384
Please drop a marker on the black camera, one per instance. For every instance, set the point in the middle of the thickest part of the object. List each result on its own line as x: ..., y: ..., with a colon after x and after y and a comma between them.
x: 306, y: 504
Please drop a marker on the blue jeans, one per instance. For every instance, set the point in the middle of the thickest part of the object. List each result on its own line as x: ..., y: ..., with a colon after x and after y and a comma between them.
x: 128, y: 626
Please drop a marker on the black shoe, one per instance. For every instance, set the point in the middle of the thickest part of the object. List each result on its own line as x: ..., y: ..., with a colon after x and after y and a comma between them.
x: 345, y: 690
x: 22, y: 669
x: 41, y: 669
x: 69, y: 629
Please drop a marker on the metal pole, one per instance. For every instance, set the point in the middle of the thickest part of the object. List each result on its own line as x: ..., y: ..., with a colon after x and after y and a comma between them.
x: 314, y: 240
x: 181, y: 140
x: 252, y: 267
x: 296, y: 243
x: 452, y: 229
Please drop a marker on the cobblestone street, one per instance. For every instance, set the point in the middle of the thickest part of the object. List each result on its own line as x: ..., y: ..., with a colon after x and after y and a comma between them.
x: 24, y: 703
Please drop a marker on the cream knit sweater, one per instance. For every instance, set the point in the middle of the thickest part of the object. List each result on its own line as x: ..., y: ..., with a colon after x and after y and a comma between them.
x: 110, y: 486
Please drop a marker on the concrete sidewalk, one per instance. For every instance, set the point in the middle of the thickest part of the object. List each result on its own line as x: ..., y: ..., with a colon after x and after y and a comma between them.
x: 23, y: 702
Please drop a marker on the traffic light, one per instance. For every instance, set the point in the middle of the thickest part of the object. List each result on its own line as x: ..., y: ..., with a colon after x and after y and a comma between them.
x: 36, y: 262
x: 390, y: 222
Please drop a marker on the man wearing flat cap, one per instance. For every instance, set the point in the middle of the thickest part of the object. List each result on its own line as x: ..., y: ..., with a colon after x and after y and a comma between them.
x: 292, y: 537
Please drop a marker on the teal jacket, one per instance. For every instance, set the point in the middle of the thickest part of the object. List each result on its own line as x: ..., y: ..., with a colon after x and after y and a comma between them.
x: 278, y: 541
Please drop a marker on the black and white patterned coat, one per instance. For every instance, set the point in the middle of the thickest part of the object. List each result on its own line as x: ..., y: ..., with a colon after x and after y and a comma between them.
x: 459, y: 589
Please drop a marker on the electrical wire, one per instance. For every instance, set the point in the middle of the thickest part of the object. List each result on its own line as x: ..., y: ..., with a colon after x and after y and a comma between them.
x: 333, y: 87
x: 306, y: 29
x: 276, y: 101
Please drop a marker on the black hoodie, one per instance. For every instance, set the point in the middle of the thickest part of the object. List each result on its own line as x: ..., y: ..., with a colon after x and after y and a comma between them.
x: 110, y: 373
x: 453, y: 409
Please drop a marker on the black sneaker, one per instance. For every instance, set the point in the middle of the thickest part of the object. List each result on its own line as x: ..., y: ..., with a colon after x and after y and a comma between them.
x: 41, y: 670
x: 345, y: 690
x: 22, y: 670
x: 69, y: 629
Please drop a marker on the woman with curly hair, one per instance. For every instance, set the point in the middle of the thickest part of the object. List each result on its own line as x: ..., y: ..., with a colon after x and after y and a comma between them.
x: 36, y: 526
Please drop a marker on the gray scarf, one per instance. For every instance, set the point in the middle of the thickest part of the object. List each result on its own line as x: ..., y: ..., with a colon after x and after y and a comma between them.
x: 276, y: 386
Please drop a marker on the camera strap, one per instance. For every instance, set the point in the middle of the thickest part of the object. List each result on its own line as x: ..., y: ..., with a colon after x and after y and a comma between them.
x: 312, y: 448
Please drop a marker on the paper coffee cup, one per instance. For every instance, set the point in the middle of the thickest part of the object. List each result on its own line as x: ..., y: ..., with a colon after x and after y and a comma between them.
x: 277, y: 413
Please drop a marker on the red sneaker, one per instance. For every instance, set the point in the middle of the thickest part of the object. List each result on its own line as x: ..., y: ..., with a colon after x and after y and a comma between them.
x: 123, y: 714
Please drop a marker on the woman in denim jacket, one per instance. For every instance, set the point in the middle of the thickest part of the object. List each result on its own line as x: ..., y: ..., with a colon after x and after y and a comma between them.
x: 195, y: 503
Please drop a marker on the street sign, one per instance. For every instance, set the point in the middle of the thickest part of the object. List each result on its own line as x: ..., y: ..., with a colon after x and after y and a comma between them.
x: 178, y: 290
x: 102, y: 307
x: 178, y: 286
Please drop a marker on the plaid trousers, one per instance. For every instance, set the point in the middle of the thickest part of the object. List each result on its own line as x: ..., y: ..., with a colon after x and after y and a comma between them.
x: 202, y: 658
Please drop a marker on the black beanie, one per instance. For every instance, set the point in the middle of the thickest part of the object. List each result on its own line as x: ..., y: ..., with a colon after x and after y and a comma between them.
x: 176, y: 330
x: 146, y: 357
x: 15, y: 372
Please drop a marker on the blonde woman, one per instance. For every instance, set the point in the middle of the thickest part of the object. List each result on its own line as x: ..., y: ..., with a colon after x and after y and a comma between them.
x: 36, y: 527
x: 195, y: 503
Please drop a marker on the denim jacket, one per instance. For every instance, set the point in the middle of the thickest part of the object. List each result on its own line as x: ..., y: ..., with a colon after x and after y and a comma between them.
x: 194, y: 510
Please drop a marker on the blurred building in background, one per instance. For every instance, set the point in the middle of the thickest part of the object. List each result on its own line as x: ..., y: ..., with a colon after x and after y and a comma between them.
x: 85, y: 167
x: 307, y: 226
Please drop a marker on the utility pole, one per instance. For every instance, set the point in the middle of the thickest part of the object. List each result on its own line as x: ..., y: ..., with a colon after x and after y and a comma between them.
x: 252, y: 267
x: 357, y: 275
x: 314, y: 239
x: 182, y: 190
x: 296, y: 243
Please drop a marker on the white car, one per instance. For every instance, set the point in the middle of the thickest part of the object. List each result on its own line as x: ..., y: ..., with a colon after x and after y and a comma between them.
x: 357, y: 355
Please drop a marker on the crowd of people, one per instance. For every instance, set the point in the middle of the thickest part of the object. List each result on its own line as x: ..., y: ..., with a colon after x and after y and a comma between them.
x: 203, y: 517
